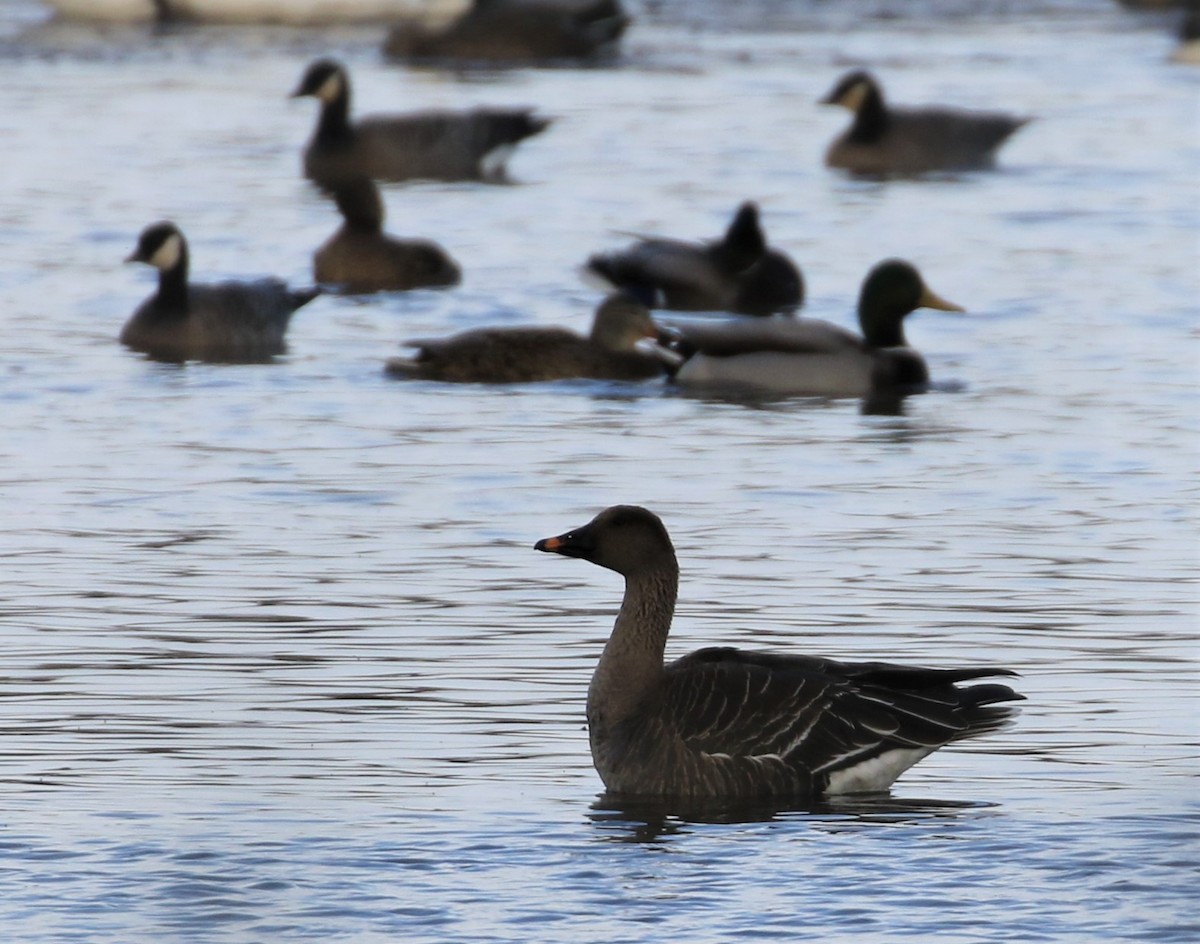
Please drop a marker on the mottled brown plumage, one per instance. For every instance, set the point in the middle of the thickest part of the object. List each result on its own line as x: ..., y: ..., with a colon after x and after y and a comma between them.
x: 739, y: 726
x: 533, y: 353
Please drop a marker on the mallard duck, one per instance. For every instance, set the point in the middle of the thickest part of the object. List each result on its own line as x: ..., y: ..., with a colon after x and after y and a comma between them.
x: 816, y: 358
x: 360, y: 257
x: 506, y: 32
x: 226, y: 321
x: 532, y: 353
x: 730, y: 725
x: 737, y: 273
x: 885, y: 140
x: 434, y: 145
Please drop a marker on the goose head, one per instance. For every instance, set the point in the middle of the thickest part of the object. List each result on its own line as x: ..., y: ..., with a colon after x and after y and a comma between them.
x: 853, y: 90
x: 160, y: 245
x: 627, y: 539
x: 324, y: 80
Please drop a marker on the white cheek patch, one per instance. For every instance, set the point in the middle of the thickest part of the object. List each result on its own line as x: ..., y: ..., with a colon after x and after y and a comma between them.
x: 331, y: 88
x: 854, y: 96
x: 168, y: 254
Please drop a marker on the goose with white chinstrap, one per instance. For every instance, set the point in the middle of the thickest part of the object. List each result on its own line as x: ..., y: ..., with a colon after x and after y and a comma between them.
x: 728, y: 725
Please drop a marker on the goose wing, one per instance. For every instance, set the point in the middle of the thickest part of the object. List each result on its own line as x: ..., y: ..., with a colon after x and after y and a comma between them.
x: 823, y: 716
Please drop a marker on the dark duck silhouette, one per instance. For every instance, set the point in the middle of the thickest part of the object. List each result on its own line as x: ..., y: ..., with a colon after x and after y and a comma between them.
x: 738, y: 273
x: 360, y: 257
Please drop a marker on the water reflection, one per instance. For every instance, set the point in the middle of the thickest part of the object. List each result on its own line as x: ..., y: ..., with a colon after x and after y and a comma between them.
x: 642, y: 819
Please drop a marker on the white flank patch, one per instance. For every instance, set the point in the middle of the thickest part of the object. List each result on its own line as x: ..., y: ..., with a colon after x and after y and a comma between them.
x: 876, y: 774
x: 494, y: 160
x: 167, y: 255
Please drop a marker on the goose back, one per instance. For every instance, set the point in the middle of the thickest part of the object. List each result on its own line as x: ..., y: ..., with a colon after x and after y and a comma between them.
x: 502, y: 32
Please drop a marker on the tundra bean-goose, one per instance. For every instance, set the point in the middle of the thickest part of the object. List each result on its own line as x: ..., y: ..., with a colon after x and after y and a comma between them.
x: 510, y: 32
x: 361, y: 258
x: 433, y: 145
x: 730, y: 725
x: 532, y: 353
x: 738, y: 273
x: 816, y: 358
x: 225, y: 321
x: 884, y: 140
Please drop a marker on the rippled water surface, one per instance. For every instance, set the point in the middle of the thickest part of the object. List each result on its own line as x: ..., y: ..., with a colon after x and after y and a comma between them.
x: 279, y: 660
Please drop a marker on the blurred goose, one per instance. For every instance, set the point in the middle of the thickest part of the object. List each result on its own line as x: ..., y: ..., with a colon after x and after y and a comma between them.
x: 737, y: 273
x: 1188, y: 49
x: 725, y: 724
x: 434, y: 145
x: 523, y: 354
x: 226, y: 321
x: 498, y: 32
x: 816, y: 358
x: 360, y: 257
x: 883, y: 140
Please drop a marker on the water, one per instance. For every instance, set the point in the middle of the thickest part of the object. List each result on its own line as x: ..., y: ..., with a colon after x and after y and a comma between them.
x: 280, y: 662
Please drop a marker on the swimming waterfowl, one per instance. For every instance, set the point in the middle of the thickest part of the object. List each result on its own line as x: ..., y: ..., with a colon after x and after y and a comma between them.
x: 506, y: 32
x: 360, y: 257
x: 730, y: 725
x: 816, y: 358
x: 226, y: 321
x: 1188, y: 49
x: 885, y: 140
x: 433, y: 145
x: 738, y: 273
x: 524, y: 354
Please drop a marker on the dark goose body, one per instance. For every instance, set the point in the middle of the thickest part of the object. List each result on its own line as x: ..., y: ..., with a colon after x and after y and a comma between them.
x: 738, y: 273
x: 431, y: 145
x: 740, y: 726
x: 225, y: 321
x: 360, y: 257
x: 534, y: 353
x: 511, y: 32
x: 885, y: 140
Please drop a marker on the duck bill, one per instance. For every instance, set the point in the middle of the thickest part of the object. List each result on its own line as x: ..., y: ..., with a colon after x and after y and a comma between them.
x: 930, y: 299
